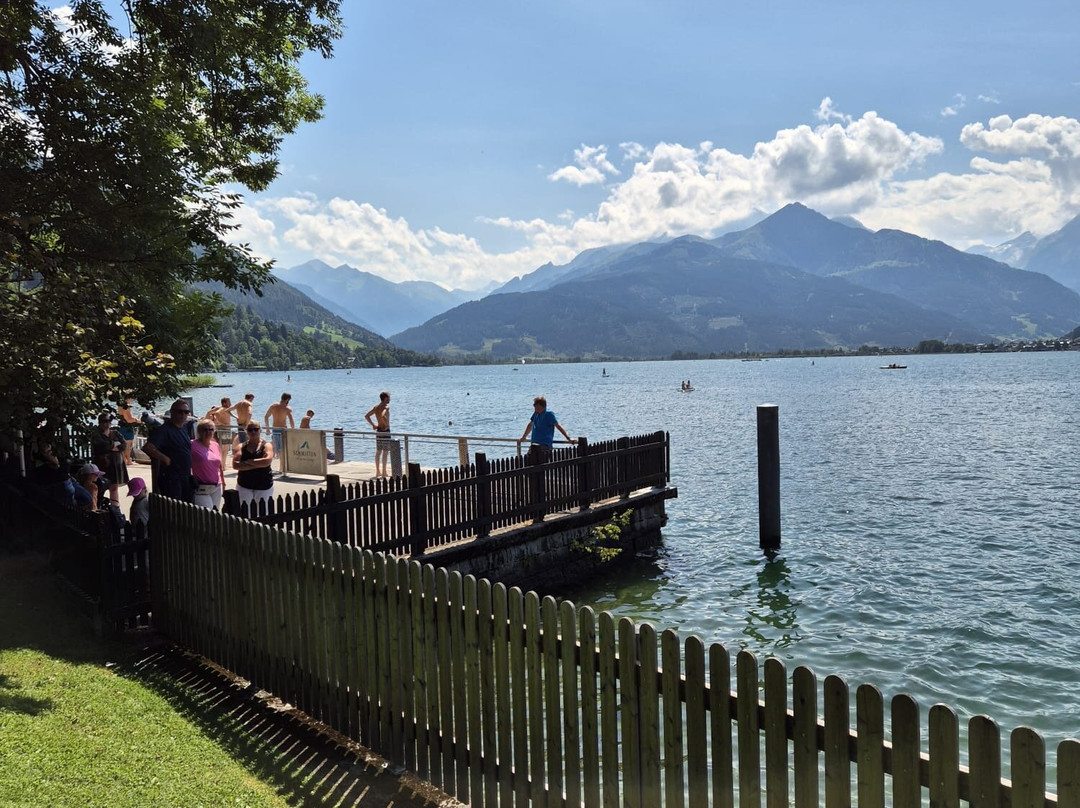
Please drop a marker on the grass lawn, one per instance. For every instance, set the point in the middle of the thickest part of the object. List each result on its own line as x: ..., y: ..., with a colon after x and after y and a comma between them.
x: 87, y: 723
x: 77, y: 730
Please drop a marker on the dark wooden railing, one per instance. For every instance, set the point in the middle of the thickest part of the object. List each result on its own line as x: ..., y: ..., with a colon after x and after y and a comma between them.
x: 431, y: 508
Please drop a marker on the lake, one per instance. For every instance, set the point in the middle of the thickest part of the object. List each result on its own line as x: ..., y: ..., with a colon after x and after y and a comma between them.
x: 930, y: 515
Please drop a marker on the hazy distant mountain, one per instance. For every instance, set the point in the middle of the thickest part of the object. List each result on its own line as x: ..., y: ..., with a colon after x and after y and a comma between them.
x: 993, y: 298
x: 685, y: 295
x: 281, y: 304
x: 385, y: 307
x: 550, y: 274
x: 328, y: 304
x: 1058, y: 255
x: 1013, y: 252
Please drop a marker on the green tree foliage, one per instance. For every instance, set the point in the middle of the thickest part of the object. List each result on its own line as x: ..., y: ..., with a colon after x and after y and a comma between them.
x: 120, y: 142
x: 246, y: 340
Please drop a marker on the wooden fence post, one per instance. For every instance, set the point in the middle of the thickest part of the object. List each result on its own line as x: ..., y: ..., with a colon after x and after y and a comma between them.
x: 483, y: 496
x: 336, y: 522
x: 622, y: 465
x: 417, y: 510
x: 583, y: 481
x: 230, y: 502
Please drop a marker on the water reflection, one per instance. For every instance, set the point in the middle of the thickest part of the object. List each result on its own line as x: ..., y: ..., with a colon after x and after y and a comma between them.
x: 772, y: 622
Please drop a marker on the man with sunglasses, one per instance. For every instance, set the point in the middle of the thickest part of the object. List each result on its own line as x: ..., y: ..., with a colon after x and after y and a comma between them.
x: 169, y: 446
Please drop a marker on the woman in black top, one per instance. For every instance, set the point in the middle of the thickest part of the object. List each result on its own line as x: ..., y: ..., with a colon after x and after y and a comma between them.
x: 252, y: 460
x: 108, y: 447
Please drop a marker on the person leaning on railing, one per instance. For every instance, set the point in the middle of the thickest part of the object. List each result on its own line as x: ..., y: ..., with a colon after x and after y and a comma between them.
x: 542, y: 425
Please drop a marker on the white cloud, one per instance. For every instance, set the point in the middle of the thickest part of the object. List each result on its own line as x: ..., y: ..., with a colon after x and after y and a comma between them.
x: 1022, y: 175
x: 593, y: 167
x: 959, y: 102
x: 989, y: 98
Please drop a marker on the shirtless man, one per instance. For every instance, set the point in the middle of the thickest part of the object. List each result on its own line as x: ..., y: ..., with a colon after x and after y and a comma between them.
x: 243, y: 414
x: 381, y: 425
x: 305, y: 422
x: 281, y: 413
x: 222, y: 416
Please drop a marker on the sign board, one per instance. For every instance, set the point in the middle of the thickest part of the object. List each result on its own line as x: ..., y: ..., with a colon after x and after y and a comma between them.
x: 303, y: 451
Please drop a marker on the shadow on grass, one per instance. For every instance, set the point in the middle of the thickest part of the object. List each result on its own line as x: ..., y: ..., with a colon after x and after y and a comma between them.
x: 306, y: 765
x: 279, y: 746
x: 12, y: 702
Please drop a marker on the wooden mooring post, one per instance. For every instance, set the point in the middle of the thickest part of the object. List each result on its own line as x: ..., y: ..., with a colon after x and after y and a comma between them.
x: 768, y: 446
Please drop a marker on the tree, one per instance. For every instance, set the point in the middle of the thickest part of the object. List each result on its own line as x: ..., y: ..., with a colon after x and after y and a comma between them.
x: 122, y: 158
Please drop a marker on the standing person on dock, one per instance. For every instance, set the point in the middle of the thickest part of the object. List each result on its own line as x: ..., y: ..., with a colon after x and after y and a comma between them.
x: 542, y: 425
x: 280, y: 413
x: 243, y: 414
x: 206, y: 466
x: 252, y: 460
x: 381, y: 425
x: 170, y: 447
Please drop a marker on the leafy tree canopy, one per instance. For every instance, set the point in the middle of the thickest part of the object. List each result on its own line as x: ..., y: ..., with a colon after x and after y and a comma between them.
x: 120, y: 141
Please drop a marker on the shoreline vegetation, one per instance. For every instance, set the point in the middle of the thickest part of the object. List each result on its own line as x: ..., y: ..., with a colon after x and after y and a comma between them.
x: 926, y: 347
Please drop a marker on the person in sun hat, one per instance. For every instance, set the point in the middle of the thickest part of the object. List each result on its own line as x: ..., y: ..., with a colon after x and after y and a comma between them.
x: 140, y: 504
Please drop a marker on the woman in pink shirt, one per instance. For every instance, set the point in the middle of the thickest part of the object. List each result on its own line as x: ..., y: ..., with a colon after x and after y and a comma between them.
x: 206, y: 466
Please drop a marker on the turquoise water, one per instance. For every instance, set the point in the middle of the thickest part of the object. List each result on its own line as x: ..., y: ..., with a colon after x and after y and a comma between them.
x: 930, y: 515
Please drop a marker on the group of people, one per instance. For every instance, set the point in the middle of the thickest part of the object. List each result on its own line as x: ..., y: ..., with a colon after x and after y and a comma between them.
x: 188, y: 461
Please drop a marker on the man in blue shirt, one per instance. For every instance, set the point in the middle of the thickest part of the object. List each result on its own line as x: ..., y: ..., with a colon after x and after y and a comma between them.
x: 169, y: 446
x: 542, y: 425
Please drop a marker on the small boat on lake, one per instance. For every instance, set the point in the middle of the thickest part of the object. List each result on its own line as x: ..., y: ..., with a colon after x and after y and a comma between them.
x: 894, y: 366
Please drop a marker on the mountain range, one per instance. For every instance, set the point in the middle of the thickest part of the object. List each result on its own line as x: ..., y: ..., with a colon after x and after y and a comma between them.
x: 794, y: 280
x: 1056, y: 255
x: 372, y: 302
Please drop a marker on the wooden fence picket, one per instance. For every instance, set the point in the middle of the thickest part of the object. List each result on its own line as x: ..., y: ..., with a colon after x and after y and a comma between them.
x: 503, y: 699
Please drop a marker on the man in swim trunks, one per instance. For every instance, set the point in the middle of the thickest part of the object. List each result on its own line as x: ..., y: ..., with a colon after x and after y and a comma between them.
x: 280, y: 413
x: 381, y: 425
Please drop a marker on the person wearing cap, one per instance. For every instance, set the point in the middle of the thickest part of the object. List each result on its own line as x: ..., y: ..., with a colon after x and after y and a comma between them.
x: 140, y: 503
x: 87, y: 491
x: 169, y: 446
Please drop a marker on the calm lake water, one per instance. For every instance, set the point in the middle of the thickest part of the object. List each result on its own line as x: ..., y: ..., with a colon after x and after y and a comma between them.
x: 930, y: 515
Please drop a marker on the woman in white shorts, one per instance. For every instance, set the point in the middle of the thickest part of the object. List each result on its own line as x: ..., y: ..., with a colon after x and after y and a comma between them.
x: 206, y: 466
x: 252, y: 460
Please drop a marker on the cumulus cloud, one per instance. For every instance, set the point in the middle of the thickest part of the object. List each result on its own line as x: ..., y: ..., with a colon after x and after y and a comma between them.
x: 592, y: 167
x: 1023, y: 175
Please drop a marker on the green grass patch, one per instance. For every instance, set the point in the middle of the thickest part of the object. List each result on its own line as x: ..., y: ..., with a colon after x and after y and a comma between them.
x: 351, y: 344
x: 199, y: 380
x: 79, y: 726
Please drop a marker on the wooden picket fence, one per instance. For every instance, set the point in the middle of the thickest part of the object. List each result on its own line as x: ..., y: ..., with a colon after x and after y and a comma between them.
x: 428, y: 509
x: 505, y: 699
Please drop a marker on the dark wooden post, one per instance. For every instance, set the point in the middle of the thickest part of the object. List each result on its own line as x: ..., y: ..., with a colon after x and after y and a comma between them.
x: 483, y: 495
x: 230, y: 502
x: 336, y: 522
x: 583, y: 476
x: 622, y: 464
x: 537, y: 495
x: 768, y: 445
x: 417, y: 512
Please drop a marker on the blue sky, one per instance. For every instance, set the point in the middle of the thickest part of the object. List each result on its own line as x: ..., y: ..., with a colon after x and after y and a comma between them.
x: 465, y: 143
